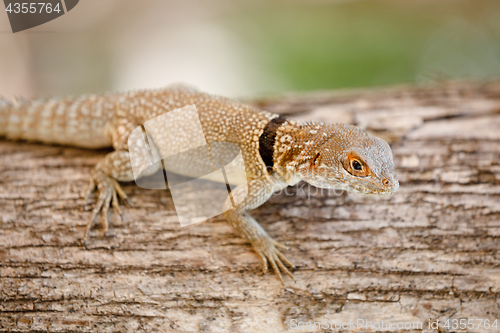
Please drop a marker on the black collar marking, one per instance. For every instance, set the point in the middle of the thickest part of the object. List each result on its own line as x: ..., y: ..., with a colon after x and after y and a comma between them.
x: 267, y: 140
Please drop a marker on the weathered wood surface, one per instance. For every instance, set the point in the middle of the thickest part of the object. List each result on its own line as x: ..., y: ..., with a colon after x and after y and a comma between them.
x: 429, y: 252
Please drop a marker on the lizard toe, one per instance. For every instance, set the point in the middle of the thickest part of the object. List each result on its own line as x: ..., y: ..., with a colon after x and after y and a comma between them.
x: 266, y: 247
x: 109, y: 190
x: 280, y: 246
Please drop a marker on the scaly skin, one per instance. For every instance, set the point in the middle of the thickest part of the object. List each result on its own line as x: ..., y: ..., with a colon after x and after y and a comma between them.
x: 328, y: 156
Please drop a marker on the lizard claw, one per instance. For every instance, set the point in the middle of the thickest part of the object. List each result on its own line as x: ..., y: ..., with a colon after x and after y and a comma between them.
x: 266, y: 247
x: 109, y: 191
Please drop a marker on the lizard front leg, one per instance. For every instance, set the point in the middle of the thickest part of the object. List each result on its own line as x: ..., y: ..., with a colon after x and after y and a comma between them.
x: 259, y: 191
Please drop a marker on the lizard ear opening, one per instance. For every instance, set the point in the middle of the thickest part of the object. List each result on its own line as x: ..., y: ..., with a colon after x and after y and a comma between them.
x: 355, y: 165
x: 315, y: 161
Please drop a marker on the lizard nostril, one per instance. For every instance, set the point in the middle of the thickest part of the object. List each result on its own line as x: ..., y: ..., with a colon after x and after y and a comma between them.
x: 386, y: 182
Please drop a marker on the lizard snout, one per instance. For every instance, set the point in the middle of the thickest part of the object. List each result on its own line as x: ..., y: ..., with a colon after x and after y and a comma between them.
x: 390, y: 183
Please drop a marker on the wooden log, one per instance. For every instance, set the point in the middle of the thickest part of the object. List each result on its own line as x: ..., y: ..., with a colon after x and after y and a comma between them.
x: 431, y: 252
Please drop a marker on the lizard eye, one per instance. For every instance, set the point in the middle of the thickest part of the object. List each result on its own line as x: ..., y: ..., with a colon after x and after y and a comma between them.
x: 355, y: 166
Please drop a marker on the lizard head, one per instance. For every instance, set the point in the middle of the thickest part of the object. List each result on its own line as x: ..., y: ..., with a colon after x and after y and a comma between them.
x: 345, y: 157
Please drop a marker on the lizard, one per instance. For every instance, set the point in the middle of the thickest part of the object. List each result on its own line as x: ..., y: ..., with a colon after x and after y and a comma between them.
x: 277, y: 152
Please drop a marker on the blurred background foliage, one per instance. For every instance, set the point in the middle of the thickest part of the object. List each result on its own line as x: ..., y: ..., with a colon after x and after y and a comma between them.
x: 248, y: 48
x: 364, y: 43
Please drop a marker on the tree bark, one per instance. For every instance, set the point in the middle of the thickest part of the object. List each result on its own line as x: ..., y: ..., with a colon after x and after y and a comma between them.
x: 430, y: 252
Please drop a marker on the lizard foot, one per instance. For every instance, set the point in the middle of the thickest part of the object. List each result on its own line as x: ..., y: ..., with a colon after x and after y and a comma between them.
x: 267, y: 248
x: 109, y: 190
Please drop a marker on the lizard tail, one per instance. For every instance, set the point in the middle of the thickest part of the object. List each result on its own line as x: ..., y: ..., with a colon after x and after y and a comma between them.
x: 16, y: 120
x: 79, y: 122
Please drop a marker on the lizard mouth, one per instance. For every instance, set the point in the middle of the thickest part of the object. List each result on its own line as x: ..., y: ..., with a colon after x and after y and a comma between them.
x: 372, y: 190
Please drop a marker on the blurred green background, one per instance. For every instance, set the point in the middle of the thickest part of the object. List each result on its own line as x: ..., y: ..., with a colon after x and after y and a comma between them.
x: 321, y: 45
x: 249, y: 48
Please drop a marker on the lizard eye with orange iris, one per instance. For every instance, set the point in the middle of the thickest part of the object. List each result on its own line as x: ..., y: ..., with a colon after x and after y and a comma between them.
x: 356, y: 165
